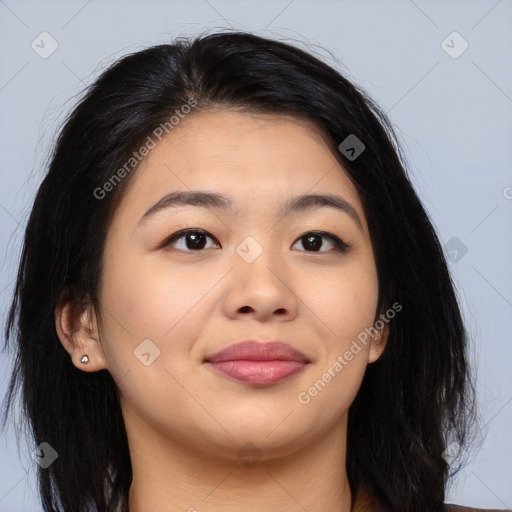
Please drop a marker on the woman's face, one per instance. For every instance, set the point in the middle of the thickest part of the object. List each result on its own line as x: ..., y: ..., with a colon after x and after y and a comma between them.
x: 254, y: 272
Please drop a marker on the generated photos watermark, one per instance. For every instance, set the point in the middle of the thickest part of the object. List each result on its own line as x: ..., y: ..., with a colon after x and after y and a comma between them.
x: 151, y: 141
x: 304, y: 397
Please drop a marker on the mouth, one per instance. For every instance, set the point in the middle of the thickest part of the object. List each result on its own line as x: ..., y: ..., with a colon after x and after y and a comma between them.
x: 257, y: 363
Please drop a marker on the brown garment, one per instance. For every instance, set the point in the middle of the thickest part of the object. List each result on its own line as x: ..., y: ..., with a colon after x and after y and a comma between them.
x: 365, y: 502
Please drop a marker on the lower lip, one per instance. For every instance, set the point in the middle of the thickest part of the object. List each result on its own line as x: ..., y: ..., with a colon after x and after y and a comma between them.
x: 261, y: 373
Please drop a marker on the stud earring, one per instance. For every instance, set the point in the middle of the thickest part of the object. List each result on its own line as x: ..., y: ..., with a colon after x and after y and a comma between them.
x: 85, y: 359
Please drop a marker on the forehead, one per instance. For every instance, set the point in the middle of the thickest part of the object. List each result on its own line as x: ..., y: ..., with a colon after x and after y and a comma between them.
x: 215, y: 122
x: 256, y: 159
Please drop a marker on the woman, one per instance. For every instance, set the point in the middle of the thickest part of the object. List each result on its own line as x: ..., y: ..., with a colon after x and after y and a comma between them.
x: 230, y: 296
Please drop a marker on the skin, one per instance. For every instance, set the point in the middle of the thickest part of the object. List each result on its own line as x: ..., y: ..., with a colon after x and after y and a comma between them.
x: 185, y: 422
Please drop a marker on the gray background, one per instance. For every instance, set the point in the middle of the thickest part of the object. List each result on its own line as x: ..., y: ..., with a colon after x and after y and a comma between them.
x: 453, y: 115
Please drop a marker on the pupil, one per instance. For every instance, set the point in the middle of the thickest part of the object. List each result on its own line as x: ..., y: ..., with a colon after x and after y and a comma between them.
x: 197, y: 243
x: 315, y: 241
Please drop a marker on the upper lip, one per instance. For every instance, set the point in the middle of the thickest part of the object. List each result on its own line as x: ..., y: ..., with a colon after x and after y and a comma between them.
x: 258, y: 351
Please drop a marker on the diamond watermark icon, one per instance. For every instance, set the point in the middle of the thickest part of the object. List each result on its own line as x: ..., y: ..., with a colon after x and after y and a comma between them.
x: 455, y: 249
x: 351, y: 147
x: 249, y: 454
x: 452, y: 452
x: 454, y: 45
x: 249, y: 249
x: 146, y: 352
x: 45, y: 455
x: 44, y: 45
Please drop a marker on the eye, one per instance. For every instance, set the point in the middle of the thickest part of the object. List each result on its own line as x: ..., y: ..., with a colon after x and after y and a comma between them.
x: 313, y: 240
x: 194, y: 239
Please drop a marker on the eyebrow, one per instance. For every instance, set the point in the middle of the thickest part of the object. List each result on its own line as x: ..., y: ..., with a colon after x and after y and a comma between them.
x: 219, y: 201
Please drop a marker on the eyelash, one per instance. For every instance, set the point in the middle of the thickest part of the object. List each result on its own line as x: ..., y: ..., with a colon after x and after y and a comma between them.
x: 339, y: 245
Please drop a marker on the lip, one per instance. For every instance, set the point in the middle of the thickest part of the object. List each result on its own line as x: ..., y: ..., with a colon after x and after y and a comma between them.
x: 258, y: 363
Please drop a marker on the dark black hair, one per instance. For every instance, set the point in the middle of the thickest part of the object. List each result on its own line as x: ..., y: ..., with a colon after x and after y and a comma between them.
x: 414, y: 400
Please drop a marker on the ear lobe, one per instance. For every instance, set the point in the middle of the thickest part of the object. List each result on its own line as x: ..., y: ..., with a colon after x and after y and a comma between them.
x: 378, y: 344
x: 77, y: 329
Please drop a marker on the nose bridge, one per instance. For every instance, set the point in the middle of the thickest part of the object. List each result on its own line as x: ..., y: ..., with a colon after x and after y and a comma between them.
x: 250, y: 249
x: 260, y: 284
x: 257, y: 261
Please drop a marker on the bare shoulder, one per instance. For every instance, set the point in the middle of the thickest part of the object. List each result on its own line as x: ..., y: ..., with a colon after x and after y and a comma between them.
x: 458, y: 508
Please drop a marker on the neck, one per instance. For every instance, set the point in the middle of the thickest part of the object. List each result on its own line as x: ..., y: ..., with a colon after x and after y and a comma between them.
x: 170, y: 477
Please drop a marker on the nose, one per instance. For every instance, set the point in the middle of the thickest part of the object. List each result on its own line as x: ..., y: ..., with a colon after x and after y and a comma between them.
x: 261, y: 289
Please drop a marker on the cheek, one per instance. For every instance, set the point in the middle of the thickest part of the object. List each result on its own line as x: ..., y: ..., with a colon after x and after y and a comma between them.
x: 139, y: 304
x: 147, y: 297
x: 345, y: 299
x: 347, y: 306
x: 144, y: 299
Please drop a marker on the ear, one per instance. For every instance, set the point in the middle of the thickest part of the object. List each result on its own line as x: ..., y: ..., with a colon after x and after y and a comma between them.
x: 378, y: 343
x: 77, y: 328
